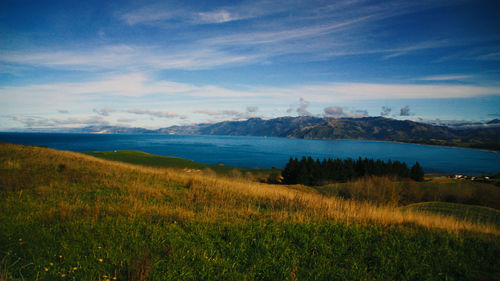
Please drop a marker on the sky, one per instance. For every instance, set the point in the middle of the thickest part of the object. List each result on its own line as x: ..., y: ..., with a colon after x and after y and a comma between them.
x: 155, y: 64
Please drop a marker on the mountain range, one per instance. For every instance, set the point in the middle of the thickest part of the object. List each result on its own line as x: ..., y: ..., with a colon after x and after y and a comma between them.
x: 366, y: 128
x: 308, y: 127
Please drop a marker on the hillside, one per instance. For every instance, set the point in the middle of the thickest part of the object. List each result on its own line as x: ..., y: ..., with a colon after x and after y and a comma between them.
x: 367, y: 128
x: 72, y: 216
x: 146, y: 159
x: 472, y: 213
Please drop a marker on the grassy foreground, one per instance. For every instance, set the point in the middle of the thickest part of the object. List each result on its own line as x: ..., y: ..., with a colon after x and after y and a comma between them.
x: 69, y: 216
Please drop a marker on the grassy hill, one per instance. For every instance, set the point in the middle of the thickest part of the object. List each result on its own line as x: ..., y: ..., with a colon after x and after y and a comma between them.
x: 401, y: 192
x: 70, y: 216
x: 477, y: 214
x: 146, y: 159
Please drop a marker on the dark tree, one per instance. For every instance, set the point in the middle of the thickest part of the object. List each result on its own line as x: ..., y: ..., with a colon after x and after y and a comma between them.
x: 417, y: 173
x: 315, y: 172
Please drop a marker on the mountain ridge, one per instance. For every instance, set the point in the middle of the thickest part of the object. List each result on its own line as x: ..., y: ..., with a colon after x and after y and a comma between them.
x: 364, y: 128
x: 310, y: 127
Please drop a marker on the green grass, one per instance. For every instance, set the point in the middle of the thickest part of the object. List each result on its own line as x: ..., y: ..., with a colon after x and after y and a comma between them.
x: 408, y: 192
x: 259, y: 250
x: 466, y: 212
x: 146, y: 159
x: 66, y: 216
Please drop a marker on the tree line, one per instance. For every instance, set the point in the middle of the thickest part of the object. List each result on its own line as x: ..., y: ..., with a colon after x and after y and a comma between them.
x: 308, y: 171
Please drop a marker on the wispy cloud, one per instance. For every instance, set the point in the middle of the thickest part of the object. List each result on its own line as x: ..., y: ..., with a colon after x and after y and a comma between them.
x: 130, y: 58
x: 321, y: 32
x: 220, y: 16
x: 142, y: 85
x: 162, y: 13
x: 151, y: 14
x: 367, y: 91
x: 43, y: 122
x: 400, y: 51
x: 302, y: 109
x: 446, y: 77
x: 252, y: 109
x: 231, y: 114
x: 103, y: 111
x: 489, y: 57
x: 405, y: 111
x: 385, y: 111
x: 159, y: 114
x: 338, y: 112
x: 125, y: 120
x: 132, y: 85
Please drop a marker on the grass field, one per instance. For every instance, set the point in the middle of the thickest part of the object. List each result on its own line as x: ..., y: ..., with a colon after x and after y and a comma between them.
x: 146, y: 159
x: 477, y: 214
x: 384, y: 190
x: 69, y: 216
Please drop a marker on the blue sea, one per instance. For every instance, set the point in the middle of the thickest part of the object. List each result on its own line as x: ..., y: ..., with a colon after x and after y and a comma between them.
x: 267, y: 152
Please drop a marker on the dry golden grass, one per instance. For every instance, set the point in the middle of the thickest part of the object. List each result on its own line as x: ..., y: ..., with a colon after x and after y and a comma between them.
x: 88, y: 187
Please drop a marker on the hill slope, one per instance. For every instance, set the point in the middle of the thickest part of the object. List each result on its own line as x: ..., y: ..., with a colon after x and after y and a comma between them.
x: 72, y: 216
x: 478, y: 214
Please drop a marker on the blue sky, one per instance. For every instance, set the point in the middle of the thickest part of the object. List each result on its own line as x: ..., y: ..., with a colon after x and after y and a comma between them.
x: 157, y: 64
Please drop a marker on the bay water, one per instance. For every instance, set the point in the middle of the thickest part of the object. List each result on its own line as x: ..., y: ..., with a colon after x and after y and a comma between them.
x: 267, y: 152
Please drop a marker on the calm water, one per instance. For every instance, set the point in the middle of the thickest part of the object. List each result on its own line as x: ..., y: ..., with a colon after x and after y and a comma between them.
x: 267, y: 152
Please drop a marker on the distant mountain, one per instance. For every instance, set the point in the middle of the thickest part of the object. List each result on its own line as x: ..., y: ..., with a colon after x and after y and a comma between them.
x: 367, y: 128
x: 278, y: 127
x: 111, y: 130
x: 307, y: 127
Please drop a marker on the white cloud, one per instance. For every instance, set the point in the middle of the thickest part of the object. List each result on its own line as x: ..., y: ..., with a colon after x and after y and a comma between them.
x: 302, y: 109
x: 159, y: 114
x: 125, y: 120
x: 405, y: 111
x: 43, y: 122
x: 324, y: 31
x: 231, y: 114
x: 206, y: 112
x: 400, y: 51
x: 252, y: 109
x: 495, y: 56
x: 103, y: 111
x: 366, y: 91
x: 162, y: 14
x: 151, y: 14
x: 338, y: 112
x: 451, y: 77
x: 131, y: 85
x: 385, y: 111
x: 131, y: 58
x: 216, y: 16
x: 334, y: 111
